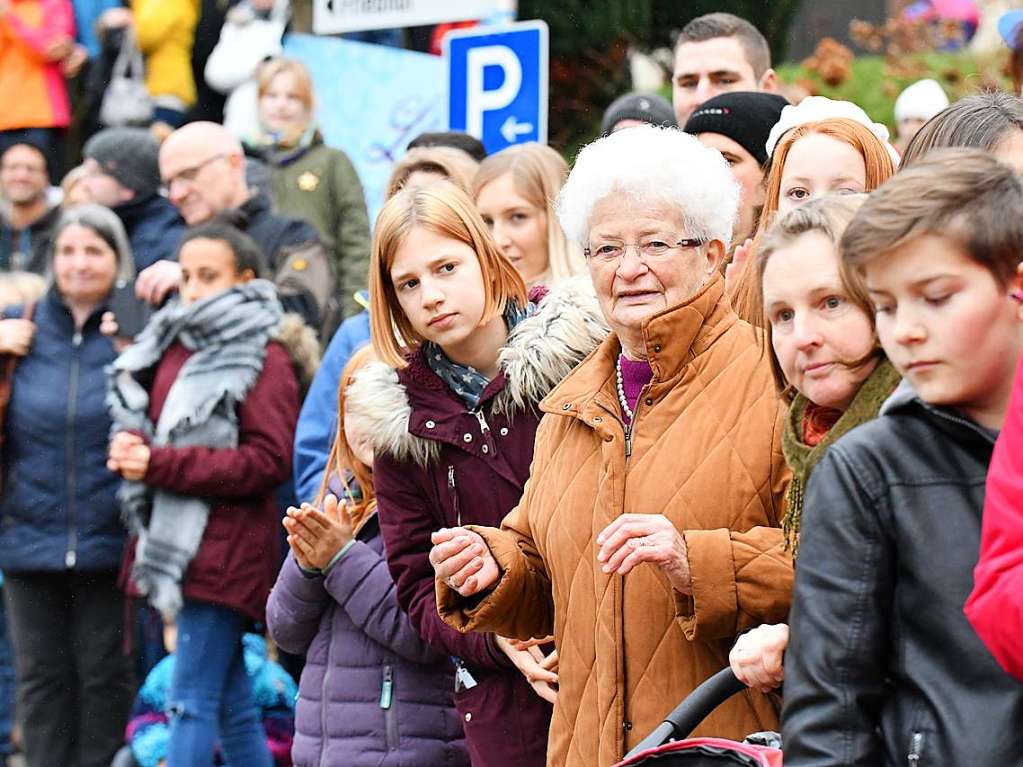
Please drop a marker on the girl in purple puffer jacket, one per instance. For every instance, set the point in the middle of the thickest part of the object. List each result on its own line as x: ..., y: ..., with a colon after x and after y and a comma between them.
x: 372, y: 692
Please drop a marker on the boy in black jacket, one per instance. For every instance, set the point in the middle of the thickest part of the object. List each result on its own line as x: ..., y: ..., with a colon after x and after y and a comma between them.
x: 883, y: 667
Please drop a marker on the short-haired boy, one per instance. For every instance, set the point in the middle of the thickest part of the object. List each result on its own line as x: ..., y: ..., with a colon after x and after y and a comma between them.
x: 883, y: 667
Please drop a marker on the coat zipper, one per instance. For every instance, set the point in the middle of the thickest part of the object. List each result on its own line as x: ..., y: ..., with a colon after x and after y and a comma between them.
x: 489, y: 445
x: 454, y: 496
x: 324, y: 687
x: 71, y: 557
x: 620, y: 583
x: 386, y: 703
x: 630, y: 424
x: 916, y: 747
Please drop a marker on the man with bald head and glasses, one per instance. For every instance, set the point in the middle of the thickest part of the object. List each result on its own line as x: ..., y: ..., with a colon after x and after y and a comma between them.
x: 202, y: 172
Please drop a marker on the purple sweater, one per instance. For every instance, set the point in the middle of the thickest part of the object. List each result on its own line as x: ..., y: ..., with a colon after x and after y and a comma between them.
x: 372, y: 692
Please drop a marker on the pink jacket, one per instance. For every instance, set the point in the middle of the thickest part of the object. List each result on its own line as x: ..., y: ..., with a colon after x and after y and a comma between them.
x: 995, y: 608
x: 32, y: 86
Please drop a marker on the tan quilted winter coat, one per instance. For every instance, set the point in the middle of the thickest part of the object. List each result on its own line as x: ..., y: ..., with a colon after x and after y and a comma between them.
x: 706, y: 454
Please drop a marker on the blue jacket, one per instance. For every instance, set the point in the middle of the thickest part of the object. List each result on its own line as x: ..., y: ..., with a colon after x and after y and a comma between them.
x: 87, y: 13
x: 317, y: 423
x: 154, y: 229
x: 58, y: 508
x: 273, y: 691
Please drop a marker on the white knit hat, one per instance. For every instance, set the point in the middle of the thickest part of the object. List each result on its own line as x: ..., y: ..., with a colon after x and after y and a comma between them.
x: 920, y: 101
x: 816, y: 108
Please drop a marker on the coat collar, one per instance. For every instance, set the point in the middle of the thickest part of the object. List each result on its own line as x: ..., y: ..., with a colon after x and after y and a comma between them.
x: 407, y: 411
x: 673, y: 338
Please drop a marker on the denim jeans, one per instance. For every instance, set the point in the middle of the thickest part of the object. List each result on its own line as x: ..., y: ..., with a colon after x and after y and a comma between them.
x: 210, y: 692
x: 6, y: 685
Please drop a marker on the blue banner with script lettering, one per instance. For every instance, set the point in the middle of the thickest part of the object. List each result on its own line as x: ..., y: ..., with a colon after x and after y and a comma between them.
x: 371, y: 100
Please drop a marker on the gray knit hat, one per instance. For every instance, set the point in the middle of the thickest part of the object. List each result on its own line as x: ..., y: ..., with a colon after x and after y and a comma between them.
x: 130, y: 155
x: 646, y: 107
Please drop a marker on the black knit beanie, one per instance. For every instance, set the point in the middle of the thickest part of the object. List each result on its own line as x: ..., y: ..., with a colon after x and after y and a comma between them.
x: 130, y: 155
x: 647, y: 107
x: 745, y: 117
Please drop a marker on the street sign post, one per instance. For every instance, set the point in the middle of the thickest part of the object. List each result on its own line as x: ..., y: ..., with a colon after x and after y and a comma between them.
x: 497, y: 83
x: 337, y: 16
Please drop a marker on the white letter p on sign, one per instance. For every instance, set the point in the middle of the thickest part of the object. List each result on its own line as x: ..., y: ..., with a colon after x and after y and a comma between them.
x: 481, y: 100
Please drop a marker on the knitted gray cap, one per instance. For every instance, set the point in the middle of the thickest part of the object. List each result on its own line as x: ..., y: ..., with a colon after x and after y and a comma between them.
x: 645, y: 107
x: 130, y: 155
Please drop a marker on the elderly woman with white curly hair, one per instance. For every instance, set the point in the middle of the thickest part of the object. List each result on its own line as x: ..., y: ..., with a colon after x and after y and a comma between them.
x: 648, y: 534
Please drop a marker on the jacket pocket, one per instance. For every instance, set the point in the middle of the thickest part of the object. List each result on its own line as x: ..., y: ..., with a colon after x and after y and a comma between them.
x: 387, y: 704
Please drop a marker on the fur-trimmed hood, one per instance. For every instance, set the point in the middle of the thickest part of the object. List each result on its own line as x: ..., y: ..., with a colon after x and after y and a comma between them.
x: 300, y: 342
x: 541, y: 350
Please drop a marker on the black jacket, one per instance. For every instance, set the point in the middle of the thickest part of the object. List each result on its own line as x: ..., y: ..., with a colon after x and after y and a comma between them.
x: 40, y: 235
x: 883, y: 667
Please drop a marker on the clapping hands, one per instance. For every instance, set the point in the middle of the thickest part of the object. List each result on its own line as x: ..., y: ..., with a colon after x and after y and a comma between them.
x: 316, y: 536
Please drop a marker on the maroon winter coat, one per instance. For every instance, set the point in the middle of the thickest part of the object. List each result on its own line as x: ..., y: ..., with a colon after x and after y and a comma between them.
x: 438, y: 465
x: 236, y: 564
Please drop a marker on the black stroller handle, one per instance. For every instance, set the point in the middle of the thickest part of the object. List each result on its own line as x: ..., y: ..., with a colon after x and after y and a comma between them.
x: 687, y: 716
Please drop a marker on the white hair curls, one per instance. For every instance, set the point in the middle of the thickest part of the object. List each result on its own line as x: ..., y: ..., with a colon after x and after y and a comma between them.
x: 648, y: 164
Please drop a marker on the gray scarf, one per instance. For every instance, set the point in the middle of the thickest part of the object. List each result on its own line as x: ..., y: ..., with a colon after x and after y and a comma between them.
x: 227, y: 334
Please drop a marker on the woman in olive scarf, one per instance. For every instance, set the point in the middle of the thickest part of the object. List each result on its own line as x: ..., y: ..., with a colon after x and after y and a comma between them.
x: 828, y: 364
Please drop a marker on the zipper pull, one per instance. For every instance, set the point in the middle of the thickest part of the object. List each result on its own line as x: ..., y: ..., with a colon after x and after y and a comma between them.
x: 484, y: 428
x: 489, y: 446
x: 76, y: 339
x: 628, y: 440
x: 916, y: 745
x: 387, y: 688
x: 70, y: 558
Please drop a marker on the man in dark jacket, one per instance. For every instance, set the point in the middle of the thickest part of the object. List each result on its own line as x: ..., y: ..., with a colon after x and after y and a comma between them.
x: 26, y: 222
x: 203, y: 172
x: 883, y: 668
x: 124, y: 175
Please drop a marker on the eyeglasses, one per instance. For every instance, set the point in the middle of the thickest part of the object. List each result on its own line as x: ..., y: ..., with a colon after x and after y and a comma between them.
x: 188, y: 175
x: 652, y: 249
x: 23, y: 167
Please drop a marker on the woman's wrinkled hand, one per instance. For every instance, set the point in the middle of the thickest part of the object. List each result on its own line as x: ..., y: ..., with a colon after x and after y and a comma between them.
x: 16, y: 336
x: 539, y: 670
x: 462, y: 559
x: 636, y: 538
x: 757, y: 657
x: 318, y: 535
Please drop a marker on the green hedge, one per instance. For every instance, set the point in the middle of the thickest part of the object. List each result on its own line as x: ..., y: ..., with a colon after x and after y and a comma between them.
x: 874, y: 84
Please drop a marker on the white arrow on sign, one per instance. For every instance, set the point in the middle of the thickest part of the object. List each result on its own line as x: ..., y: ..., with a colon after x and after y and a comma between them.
x: 511, y: 129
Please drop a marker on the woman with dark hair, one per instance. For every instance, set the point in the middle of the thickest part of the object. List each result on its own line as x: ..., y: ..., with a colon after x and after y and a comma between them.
x: 989, y: 121
x: 61, y: 538
x: 204, y: 404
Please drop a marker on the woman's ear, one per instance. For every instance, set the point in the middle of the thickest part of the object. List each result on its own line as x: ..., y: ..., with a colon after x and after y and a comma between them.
x: 715, y: 256
x: 247, y: 275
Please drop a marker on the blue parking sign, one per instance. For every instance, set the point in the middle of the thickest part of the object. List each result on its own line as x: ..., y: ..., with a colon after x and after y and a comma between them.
x: 497, y: 83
